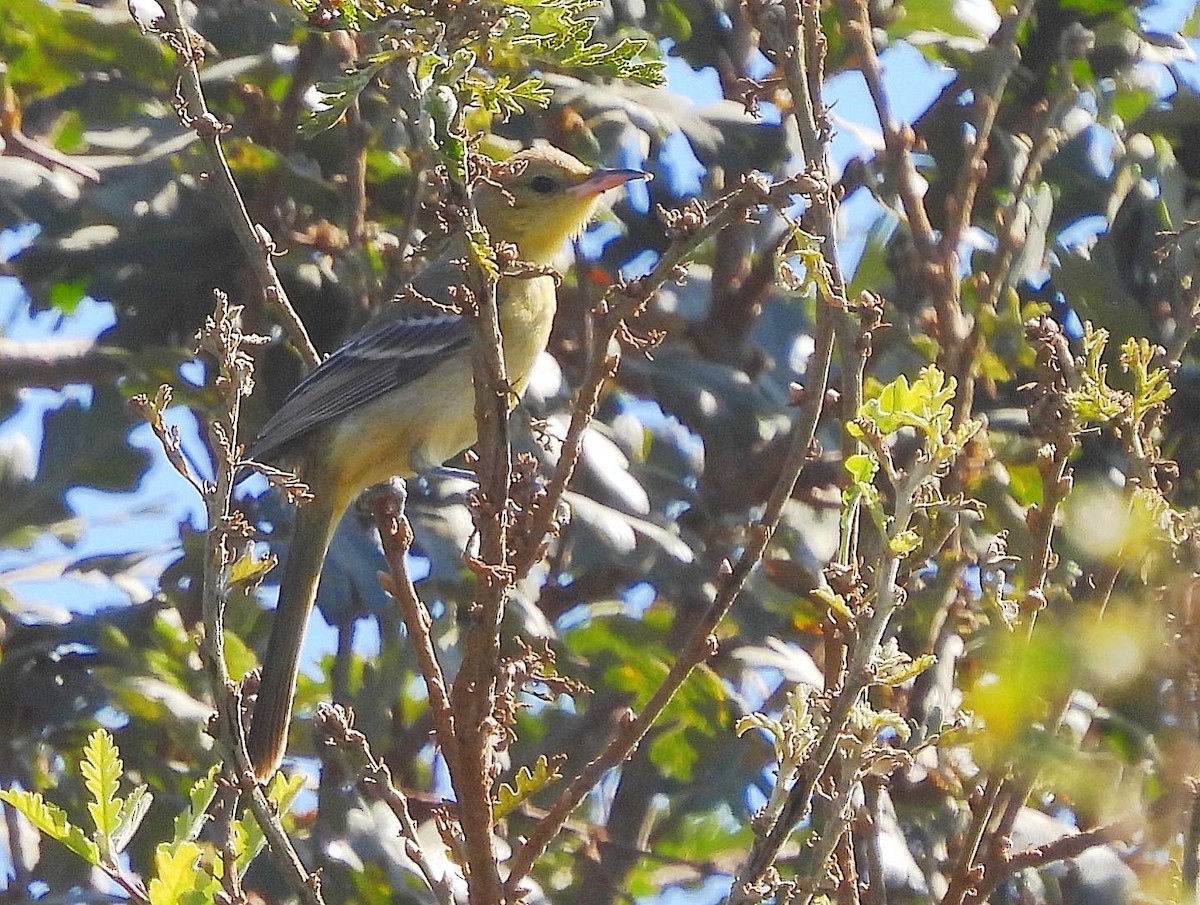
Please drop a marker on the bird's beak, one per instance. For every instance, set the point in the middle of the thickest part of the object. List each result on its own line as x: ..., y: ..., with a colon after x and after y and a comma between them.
x: 602, y: 180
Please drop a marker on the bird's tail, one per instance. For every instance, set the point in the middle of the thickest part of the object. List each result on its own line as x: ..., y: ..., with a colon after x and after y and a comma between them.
x: 315, y: 522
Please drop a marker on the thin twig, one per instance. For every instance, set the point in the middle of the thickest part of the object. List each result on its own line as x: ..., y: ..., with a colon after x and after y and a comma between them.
x: 622, y: 302
x: 222, y: 337
x: 1059, y: 850
x: 700, y: 645
x: 395, y: 532
x: 255, y: 241
x: 375, y: 781
x: 966, y: 874
x: 869, y: 834
x: 897, y: 140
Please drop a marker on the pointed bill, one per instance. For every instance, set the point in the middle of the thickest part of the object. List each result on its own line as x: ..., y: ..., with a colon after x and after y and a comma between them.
x: 602, y: 180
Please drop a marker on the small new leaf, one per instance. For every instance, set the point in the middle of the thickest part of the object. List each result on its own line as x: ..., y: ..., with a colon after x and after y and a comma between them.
x: 528, y: 783
x: 861, y: 467
x: 800, y: 265
x: 483, y: 255
x: 835, y: 602
x: 337, y: 94
x: 189, y: 823
x: 559, y: 30
x: 904, y: 543
x: 343, y: 15
x: 249, y: 570
x: 281, y: 792
x: 894, y: 667
x: 504, y: 99
x: 133, y: 812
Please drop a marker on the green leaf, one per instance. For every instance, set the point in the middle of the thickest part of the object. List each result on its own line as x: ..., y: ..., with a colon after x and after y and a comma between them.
x: 133, y: 812
x: 558, y: 30
x: 52, y: 820
x: 904, y: 543
x: 101, y: 768
x: 862, y: 468
x: 339, y: 15
x: 528, y: 783
x: 189, y: 823
x: 281, y: 792
x: 339, y: 93
x: 483, y: 255
x: 179, y: 878
x: 505, y: 99
x: 66, y: 295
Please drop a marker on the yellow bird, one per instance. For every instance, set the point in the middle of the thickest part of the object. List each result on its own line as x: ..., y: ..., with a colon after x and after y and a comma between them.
x: 398, y: 398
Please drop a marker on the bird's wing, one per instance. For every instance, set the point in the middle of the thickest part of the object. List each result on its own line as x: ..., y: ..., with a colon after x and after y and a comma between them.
x: 395, y: 349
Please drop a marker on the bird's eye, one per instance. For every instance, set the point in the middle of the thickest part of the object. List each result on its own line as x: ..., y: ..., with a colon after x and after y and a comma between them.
x: 543, y: 185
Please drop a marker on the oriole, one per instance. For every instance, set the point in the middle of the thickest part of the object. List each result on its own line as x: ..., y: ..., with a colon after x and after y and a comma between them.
x: 398, y: 398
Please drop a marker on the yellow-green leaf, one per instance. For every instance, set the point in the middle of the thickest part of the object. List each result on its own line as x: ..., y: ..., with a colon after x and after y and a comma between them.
x: 281, y: 792
x: 179, y: 878
x: 528, y: 782
x: 249, y: 569
x: 189, y: 823
x: 133, y: 812
x: 101, y: 768
x: 52, y: 820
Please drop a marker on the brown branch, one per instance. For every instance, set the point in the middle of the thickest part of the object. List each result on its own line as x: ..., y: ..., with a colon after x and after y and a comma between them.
x: 868, y: 832
x: 473, y: 696
x: 1071, y: 846
x: 967, y: 874
x: 961, y: 203
x: 997, y: 870
x: 254, y: 239
x: 396, y: 534
x: 621, y: 303
x: 334, y: 724
x: 356, y: 175
x: 897, y: 140
x: 699, y: 646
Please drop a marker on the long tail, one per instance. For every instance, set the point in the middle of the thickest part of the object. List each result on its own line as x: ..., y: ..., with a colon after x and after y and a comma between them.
x: 267, y: 741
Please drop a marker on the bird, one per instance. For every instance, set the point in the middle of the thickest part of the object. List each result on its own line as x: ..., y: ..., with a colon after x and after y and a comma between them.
x: 398, y: 397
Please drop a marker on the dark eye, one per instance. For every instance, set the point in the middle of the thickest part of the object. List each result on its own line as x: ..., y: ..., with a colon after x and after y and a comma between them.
x: 543, y: 185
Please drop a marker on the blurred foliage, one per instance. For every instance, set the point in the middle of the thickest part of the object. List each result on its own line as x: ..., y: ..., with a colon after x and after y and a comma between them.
x: 1097, y: 684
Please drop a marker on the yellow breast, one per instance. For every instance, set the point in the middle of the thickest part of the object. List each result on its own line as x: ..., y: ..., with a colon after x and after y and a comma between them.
x: 421, y: 425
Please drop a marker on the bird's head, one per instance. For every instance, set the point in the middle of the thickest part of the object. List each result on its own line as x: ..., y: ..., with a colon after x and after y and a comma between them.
x: 541, y: 198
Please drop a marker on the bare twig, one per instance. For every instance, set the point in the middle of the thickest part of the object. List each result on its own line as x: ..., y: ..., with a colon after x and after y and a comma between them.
x: 223, y: 339
x: 700, y: 645
x: 898, y: 140
x: 256, y: 243
x: 396, y: 534
x: 1000, y: 869
x: 868, y: 834
x: 622, y: 302
x: 966, y: 874
x: 375, y: 781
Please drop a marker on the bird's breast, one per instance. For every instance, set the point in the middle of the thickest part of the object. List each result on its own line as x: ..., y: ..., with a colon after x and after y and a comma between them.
x: 526, y: 309
x: 422, y: 424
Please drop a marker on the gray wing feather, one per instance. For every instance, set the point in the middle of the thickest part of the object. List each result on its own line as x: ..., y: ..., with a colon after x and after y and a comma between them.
x: 393, y: 350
